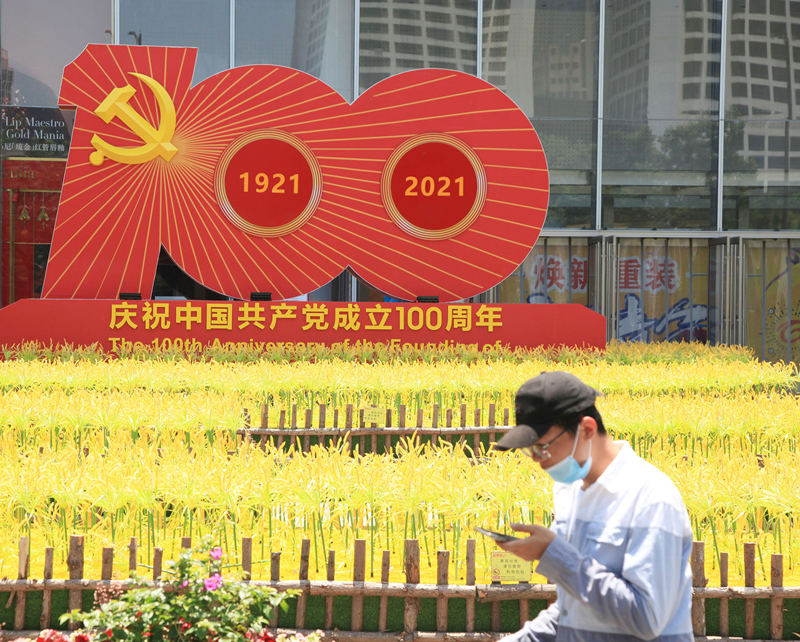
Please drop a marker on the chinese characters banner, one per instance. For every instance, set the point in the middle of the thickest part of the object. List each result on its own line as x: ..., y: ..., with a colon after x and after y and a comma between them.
x: 663, y: 290
x: 193, y: 325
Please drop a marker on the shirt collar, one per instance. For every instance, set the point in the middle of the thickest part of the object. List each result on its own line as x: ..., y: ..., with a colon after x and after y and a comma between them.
x: 613, y: 477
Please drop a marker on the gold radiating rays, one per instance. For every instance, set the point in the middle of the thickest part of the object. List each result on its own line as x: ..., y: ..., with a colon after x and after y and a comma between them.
x: 125, y: 215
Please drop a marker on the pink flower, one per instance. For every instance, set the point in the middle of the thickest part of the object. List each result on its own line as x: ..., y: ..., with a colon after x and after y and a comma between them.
x: 213, y: 583
x: 215, y: 553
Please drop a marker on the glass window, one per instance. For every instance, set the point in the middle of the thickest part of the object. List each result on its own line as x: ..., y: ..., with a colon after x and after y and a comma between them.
x: 544, y: 56
x: 39, y: 39
x: 762, y: 175
x: 660, y: 131
x: 315, y: 37
x: 204, y: 24
x: 411, y: 31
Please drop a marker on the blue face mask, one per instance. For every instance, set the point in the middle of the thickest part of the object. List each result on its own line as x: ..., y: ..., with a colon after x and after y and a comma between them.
x: 568, y: 470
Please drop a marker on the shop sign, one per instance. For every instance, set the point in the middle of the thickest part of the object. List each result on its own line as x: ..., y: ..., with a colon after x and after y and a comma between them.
x: 36, y: 132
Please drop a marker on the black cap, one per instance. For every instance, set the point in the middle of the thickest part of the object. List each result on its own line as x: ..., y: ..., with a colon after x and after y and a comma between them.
x: 541, y: 401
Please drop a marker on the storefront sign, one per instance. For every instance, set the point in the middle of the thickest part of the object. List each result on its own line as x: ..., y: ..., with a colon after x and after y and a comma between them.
x: 36, y: 132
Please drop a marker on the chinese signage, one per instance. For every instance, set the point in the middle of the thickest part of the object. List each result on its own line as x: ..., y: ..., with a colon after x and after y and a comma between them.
x: 194, y: 325
x: 660, y: 295
x: 507, y: 567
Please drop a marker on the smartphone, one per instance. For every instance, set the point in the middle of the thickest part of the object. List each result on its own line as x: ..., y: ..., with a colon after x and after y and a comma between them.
x: 497, y: 537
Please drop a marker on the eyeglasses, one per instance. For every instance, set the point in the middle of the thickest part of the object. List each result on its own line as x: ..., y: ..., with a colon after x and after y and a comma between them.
x: 541, y: 451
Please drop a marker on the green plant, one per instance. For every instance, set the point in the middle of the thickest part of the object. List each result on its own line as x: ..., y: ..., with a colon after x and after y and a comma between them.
x: 196, y: 604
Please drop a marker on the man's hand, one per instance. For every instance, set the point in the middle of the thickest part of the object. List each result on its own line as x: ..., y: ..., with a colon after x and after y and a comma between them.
x: 530, y: 548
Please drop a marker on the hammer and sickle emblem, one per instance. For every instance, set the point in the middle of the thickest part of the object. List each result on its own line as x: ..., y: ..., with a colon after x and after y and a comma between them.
x: 156, y: 141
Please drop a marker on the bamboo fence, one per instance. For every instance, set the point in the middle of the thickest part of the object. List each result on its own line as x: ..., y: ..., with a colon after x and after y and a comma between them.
x: 411, y: 592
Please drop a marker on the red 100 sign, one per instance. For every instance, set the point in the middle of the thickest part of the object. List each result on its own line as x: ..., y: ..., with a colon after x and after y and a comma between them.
x: 263, y: 178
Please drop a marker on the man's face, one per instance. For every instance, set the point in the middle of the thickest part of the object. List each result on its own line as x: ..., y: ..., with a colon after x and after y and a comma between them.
x: 552, y: 447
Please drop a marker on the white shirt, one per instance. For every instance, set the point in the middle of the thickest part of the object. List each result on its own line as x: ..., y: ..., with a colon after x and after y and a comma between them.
x: 620, y: 559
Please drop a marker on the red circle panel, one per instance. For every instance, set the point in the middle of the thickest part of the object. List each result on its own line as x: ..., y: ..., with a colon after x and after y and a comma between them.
x: 433, y: 186
x: 268, y: 183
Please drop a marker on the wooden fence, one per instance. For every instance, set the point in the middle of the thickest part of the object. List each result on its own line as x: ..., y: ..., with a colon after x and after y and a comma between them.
x: 358, y: 429
x: 398, y: 605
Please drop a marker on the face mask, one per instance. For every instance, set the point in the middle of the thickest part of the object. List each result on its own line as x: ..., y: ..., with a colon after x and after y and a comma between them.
x: 568, y: 470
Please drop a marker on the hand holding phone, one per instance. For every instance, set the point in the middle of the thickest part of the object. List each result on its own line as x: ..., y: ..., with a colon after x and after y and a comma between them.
x: 497, y: 537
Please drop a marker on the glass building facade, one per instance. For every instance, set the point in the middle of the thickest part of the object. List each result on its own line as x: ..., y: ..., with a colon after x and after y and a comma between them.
x: 671, y: 130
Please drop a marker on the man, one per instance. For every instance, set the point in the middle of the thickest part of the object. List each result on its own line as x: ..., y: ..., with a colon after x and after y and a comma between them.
x: 620, y: 544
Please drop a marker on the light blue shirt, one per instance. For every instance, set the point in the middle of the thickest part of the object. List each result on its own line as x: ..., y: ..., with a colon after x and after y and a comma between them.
x: 620, y: 560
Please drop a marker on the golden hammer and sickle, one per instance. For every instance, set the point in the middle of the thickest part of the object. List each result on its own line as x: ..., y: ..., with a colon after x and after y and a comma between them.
x: 156, y: 141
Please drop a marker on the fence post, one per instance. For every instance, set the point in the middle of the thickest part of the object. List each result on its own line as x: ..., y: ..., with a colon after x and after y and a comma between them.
x: 274, y: 576
x: 724, y: 622
x: 749, y: 580
x: 492, y: 420
x: 132, y: 551
x: 75, y: 566
x: 435, y: 424
x: 387, y: 439
x: 307, y: 438
x: 247, y: 558
x: 411, y: 609
x: 383, y: 609
x: 158, y: 560
x: 323, y: 418
x: 494, y: 614
x: 331, y: 576
x: 107, y: 564
x: 47, y: 594
x: 300, y: 616
x: 348, y: 426
x: 476, y: 438
x: 264, y: 416
x: 293, y: 425
x: 442, y: 579
x: 470, y: 606
x: 524, y: 609
x: 359, y: 575
x: 776, y: 602
x: 281, y: 426
x: 22, y: 574
x: 698, y: 579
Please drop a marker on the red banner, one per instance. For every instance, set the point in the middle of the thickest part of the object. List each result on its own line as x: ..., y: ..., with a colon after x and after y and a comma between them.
x: 193, y: 325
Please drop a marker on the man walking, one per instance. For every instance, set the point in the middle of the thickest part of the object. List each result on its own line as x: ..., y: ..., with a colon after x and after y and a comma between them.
x: 620, y: 544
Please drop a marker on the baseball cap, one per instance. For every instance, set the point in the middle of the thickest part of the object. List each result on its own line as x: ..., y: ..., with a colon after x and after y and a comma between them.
x: 541, y: 401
